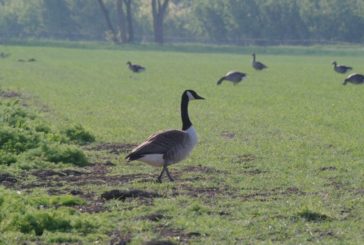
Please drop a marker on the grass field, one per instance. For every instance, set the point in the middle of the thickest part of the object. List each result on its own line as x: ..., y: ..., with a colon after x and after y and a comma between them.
x: 279, y: 160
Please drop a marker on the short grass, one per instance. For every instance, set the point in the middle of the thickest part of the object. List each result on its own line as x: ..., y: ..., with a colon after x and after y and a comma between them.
x: 279, y: 160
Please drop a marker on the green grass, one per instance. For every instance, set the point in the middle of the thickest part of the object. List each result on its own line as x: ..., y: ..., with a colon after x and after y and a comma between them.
x: 282, y: 151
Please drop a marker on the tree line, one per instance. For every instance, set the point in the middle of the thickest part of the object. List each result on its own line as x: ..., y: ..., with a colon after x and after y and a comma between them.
x: 214, y: 21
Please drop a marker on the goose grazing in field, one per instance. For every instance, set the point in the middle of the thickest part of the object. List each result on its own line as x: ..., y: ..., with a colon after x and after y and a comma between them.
x: 258, y: 65
x: 135, y: 68
x: 233, y: 76
x: 165, y: 148
x: 354, y: 78
x: 341, y: 68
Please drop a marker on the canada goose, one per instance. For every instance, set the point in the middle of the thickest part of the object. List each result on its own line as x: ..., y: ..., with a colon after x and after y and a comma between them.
x: 354, y: 78
x: 135, y: 68
x: 341, y: 68
x: 233, y: 76
x: 258, y: 65
x: 4, y: 55
x: 171, y: 146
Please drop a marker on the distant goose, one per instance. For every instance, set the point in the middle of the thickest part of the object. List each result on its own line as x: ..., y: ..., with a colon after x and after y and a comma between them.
x: 354, y: 78
x: 341, y: 68
x: 135, y: 68
x: 258, y: 65
x: 171, y: 146
x: 233, y: 76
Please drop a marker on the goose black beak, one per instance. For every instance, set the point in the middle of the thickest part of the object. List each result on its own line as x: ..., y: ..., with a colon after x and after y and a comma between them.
x: 199, y: 97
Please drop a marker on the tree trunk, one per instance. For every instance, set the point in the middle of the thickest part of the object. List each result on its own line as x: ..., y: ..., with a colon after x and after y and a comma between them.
x: 158, y: 11
x: 129, y: 17
x: 108, y: 22
x: 121, y: 21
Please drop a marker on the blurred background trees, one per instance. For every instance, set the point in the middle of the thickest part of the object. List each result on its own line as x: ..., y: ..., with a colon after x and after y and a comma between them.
x: 260, y: 22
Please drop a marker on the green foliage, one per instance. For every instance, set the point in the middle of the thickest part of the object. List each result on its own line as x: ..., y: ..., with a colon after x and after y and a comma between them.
x: 59, y: 153
x: 79, y: 135
x: 23, y: 134
x: 39, y: 222
x: 38, y: 213
x: 63, y: 200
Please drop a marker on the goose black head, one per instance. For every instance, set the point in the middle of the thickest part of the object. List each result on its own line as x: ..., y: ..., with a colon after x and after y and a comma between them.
x: 192, y: 95
x: 334, y: 63
x: 129, y: 63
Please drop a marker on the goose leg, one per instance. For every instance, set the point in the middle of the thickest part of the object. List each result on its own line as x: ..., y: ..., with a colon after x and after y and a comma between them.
x: 159, y: 179
x: 169, y: 175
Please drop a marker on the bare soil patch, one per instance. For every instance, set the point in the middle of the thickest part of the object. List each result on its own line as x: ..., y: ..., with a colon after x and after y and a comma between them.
x: 328, y: 168
x: 9, y: 94
x: 178, y: 234
x: 117, y: 238
x: 155, y: 217
x: 227, y: 135
x: 245, y: 158
x: 7, y: 179
x: 123, y: 194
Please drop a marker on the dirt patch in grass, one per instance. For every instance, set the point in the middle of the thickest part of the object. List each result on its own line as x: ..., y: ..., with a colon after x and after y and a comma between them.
x: 178, y: 234
x: 155, y: 217
x: 123, y: 194
x: 243, y: 159
x: 117, y: 238
x: 7, y: 179
x: 227, y: 135
x: 328, y: 168
x: 159, y: 242
x: 114, y: 148
x: 273, y: 194
x: 202, y: 170
x: 93, y: 174
x: 9, y: 94
x: 209, y: 192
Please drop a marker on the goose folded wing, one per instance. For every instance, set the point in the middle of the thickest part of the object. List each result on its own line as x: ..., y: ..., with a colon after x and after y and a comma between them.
x: 160, y: 143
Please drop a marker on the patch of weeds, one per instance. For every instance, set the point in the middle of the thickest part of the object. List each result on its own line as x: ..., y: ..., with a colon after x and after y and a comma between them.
x: 6, y: 158
x: 64, y: 200
x: 63, y: 153
x: 41, y: 221
x: 79, y: 135
x: 27, y: 214
x: 312, y: 216
x: 28, y: 140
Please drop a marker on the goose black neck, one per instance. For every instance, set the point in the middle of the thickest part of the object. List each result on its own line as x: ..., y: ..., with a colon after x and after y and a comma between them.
x: 186, y: 123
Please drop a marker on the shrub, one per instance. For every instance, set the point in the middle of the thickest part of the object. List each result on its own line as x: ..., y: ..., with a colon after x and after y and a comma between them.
x: 63, y: 153
x: 79, y: 135
x: 16, y: 141
x: 38, y: 222
x: 6, y: 158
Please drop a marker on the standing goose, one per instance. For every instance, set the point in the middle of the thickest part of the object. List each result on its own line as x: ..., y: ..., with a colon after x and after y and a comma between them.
x: 354, y: 78
x: 258, y: 65
x: 135, y: 68
x: 233, y: 76
x: 341, y: 68
x: 171, y: 146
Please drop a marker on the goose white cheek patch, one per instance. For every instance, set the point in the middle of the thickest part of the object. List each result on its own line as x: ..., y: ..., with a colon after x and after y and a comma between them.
x: 190, y: 96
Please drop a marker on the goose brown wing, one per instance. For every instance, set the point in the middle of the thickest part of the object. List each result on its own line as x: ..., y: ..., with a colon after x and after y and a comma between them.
x: 159, y: 143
